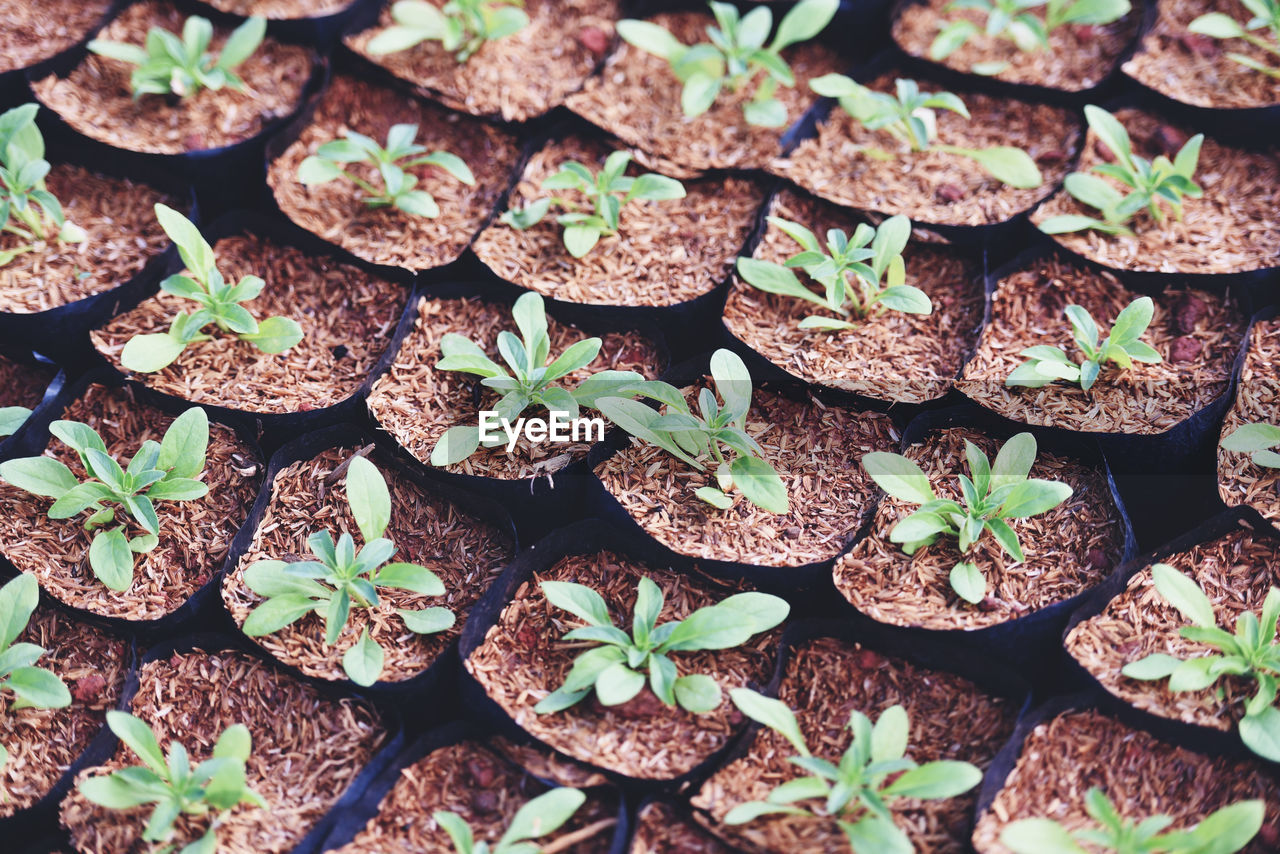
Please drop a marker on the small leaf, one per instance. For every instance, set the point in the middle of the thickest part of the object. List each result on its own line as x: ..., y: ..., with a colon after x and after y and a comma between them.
x: 968, y: 582
x: 368, y: 497
x: 1184, y: 594
x: 898, y: 476
x: 111, y: 559
x: 363, y: 662
x: 697, y: 693
x: 43, y: 476
x: 275, y: 335
x: 151, y: 352
x: 427, y: 621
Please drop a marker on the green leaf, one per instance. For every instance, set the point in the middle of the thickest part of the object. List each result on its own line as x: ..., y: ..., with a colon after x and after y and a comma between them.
x: 878, y: 834
x: 455, y: 445
x: 950, y: 38
x: 581, y: 239
x: 18, y: 600
x: 38, y: 688
x: 806, y: 19
x: 1067, y: 223
x: 242, y: 43
x: 43, y: 476
x: 1014, y: 460
x: 935, y: 781
x: 968, y: 582
x: 650, y: 38
x: 1245, y: 438
x: 774, y: 714
x: 185, y: 443
x: 1229, y: 829
x: 196, y: 252
x: 1033, y: 497
x: 1184, y: 594
x: 541, y: 816
x: 697, y: 693
x: 760, y: 484
x: 363, y: 662
x: 699, y: 93
x: 1133, y: 320
x: 427, y: 621
x: 129, y: 53
x: 656, y: 188
x: 1261, y: 733
x: 714, y: 497
x: 275, y: 335
x: 146, y: 354
x: 898, y: 476
x: 579, y: 600
x: 769, y: 113
x: 1216, y: 25
x: 1039, y: 836
x: 1008, y: 165
x: 282, y: 609
x: 111, y: 559
x: 139, y: 738
x: 417, y: 203
x: 1110, y: 133
x: 617, y: 683
x: 409, y: 576
x: 1093, y: 191
x: 368, y: 497
x: 906, y: 298
x: 889, y: 735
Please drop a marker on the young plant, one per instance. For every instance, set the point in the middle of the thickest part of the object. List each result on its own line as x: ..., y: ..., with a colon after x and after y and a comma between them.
x: 608, y: 192
x: 1149, y: 182
x: 616, y: 666
x: 342, y: 578
x: 1222, y: 832
x: 693, y: 438
x: 398, y: 188
x: 1251, y: 653
x: 1257, y: 440
x: 736, y: 56
x: 1266, y: 16
x: 12, y: 418
x: 849, y: 271
x: 1016, y: 21
x: 32, y: 687
x: 159, y: 471
x: 460, y: 25
x: 910, y: 117
x: 531, y: 381
x: 219, y: 301
x: 993, y: 493
x: 1122, y: 348
x: 217, y: 785
x: 27, y: 209
x: 856, y: 791
x: 169, y: 65
x: 540, y: 817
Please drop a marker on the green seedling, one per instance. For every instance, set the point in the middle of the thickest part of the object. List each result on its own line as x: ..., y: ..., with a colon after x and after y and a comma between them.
x: 1017, y: 21
x: 461, y: 26
x: 27, y: 209
x: 540, y: 817
x: 858, y: 790
x: 993, y: 493
x: 1257, y: 440
x: 1266, y: 16
x: 736, y: 56
x: 32, y: 687
x: 607, y: 191
x: 219, y: 301
x: 1149, y: 181
x: 342, y: 578
x: 169, y: 65
x: 616, y: 665
x: 1046, y: 363
x: 12, y: 418
x: 159, y: 471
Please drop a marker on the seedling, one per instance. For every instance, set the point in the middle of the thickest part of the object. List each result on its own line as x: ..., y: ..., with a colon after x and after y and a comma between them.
x: 27, y: 209
x: 217, y: 785
x: 1016, y: 21
x: 460, y: 25
x: 1257, y: 440
x: 540, y: 817
x: 910, y: 117
x: 169, y: 65
x: 341, y: 578
x: 1121, y: 348
x: 849, y: 271
x: 1251, y: 653
x: 693, y: 438
x: 616, y: 667
x: 219, y: 300
x: 1266, y: 16
x: 608, y: 192
x: 159, y: 471
x: 993, y: 493
x: 1222, y: 832
x: 33, y: 687
x: 531, y: 381
x: 856, y: 791
x: 736, y: 56
x: 1150, y: 182
x: 398, y: 188
x: 12, y: 418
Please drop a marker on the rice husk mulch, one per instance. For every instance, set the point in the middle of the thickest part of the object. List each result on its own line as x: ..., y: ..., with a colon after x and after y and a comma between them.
x: 665, y: 253
x: 465, y: 552
x: 416, y: 404
x: 194, y: 535
x: 347, y: 317
x: 281, y: 10
x: 1240, y: 480
x: 1195, y: 69
x: 1231, y: 229
x: 336, y: 210
x: 1068, y: 549
x: 891, y: 355
x: 662, y: 828
x: 827, y: 679
x: 119, y: 217
x: 1077, y: 58
x: 22, y: 383
x: 42, y: 743
x: 522, y: 660
x: 518, y: 77
x: 636, y: 97
x: 306, y: 751
x: 813, y: 447
x: 1235, y: 571
x: 95, y: 98
x: 1064, y: 757
x: 933, y: 186
x: 34, y: 32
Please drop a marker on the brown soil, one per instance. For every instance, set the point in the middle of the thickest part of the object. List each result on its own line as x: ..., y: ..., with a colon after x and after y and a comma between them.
x: 97, y: 101
x: 547, y: 764
x: 827, y: 679
x: 347, y: 316
x: 1239, y: 480
x: 666, y: 252
x: 890, y: 356
x: 522, y: 660
x: 123, y: 235
x: 336, y: 211
x: 33, y: 32
x: 1202, y: 329
x: 1065, y: 757
x: 1068, y: 549
x: 1231, y: 229
x: 413, y: 391
x: 466, y: 553
x: 637, y: 98
x: 281, y: 9
x: 194, y: 535
x: 307, y: 751
x: 23, y: 384
x: 662, y: 828
x: 518, y: 77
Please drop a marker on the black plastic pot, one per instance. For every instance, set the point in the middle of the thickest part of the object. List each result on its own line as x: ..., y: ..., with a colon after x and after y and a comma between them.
x: 27, y: 440
x: 13, y: 83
